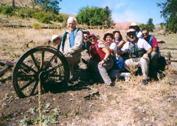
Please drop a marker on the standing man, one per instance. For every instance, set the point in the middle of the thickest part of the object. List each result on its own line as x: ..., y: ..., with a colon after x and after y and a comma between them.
x: 71, y: 45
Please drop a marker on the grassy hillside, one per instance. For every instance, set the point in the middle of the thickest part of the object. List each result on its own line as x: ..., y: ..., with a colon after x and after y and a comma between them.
x: 28, y: 13
x: 17, y: 2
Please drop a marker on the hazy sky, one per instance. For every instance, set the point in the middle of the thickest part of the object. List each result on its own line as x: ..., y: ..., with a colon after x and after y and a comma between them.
x: 122, y: 10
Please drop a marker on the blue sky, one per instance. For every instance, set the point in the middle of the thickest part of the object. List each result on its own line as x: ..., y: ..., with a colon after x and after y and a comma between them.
x: 122, y: 10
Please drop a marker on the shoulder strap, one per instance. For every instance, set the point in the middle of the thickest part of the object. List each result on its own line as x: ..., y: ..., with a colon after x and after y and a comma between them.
x: 63, y: 41
x: 150, y: 39
x: 62, y: 44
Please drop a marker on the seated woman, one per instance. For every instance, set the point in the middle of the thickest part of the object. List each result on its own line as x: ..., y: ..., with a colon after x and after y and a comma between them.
x: 119, y: 42
x: 114, y: 47
x: 100, y: 57
x: 118, y: 39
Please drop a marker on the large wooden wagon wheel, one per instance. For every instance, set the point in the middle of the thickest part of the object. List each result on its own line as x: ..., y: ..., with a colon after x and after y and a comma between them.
x: 39, y: 64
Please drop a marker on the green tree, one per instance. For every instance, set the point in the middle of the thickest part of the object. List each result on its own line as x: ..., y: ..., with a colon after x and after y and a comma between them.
x: 150, y: 24
x: 108, y: 18
x: 49, y: 5
x: 169, y: 12
x: 94, y: 16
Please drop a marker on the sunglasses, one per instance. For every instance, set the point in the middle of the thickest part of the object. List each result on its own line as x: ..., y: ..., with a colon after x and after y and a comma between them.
x: 131, y: 34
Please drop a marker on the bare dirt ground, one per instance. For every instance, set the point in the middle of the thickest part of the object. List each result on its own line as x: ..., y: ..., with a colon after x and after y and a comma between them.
x: 125, y: 104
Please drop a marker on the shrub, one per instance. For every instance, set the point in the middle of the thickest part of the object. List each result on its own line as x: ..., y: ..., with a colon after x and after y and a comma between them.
x: 40, y: 15
x: 6, y: 10
x: 44, y: 17
x: 24, y: 12
x: 95, y: 16
x: 59, y: 18
x: 36, y: 26
x: 47, y: 17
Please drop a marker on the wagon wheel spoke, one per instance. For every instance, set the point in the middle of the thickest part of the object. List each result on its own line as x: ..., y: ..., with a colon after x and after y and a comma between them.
x: 35, y: 63
x: 56, y: 75
x: 53, y: 68
x: 42, y: 58
x: 34, y: 88
x: 53, y: 57
x: 27, y: 84
x: 25, y: 77
x: 27, y: 67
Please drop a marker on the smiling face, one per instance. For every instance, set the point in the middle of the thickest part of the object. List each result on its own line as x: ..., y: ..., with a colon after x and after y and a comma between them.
x: 145, y: 34
x: 72, y: 25
x: 117, y: 35
x: 108, y: 39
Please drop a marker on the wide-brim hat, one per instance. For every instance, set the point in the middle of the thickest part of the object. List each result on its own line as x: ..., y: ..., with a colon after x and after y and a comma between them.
x: 108, y: 34
x: 131, y: 30
x: 133, y: 24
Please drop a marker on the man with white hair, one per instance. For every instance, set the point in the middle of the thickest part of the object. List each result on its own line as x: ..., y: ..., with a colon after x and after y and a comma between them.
x: 72, y: 38
x: 139, y: 51
x: 71, y: 45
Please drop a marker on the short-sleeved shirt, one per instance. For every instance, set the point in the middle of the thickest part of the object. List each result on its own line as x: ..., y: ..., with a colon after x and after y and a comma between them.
x: 141, y: 44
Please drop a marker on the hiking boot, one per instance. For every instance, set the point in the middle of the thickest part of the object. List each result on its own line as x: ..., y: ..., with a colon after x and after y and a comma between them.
x: 145, y: 81
x: 112, y: 84
x: 160, y: 75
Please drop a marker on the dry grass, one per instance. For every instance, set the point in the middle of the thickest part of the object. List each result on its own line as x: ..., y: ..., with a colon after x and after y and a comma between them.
x: 132, y: 104
x: 126, y: 104
x: 13, y: 41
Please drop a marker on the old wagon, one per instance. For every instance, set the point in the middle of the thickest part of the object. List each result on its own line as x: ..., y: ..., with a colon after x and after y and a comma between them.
x: 39, y: 65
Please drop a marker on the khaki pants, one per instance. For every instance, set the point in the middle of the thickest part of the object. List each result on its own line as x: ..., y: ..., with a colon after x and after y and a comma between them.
x: 73, y: 61
x: 103, y: 71
x: 133, y: 63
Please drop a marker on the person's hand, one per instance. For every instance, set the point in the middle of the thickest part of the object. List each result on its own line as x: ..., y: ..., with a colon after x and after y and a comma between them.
x: 145, y: 56
x: 119, y: 52
x: 67, y: 54
x: 56, y: 41
x: 101, y: 62
x: 48, y: 41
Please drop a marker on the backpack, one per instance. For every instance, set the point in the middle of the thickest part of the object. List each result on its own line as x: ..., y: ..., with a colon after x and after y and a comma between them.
x: 162, y: 63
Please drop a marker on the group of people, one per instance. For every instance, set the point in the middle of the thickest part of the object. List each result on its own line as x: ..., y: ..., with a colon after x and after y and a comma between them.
x: 110, y: 56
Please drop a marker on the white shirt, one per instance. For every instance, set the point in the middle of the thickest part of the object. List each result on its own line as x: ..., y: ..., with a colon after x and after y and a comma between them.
x: 113, y: 46
x: 141, y: 44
